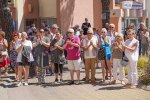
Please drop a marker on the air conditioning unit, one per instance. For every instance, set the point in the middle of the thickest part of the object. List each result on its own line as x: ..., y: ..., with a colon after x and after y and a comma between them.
x: 116, y: 13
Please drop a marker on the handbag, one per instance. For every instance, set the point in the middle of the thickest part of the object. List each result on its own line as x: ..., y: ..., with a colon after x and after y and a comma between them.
x: 62, y: 59
x: 24, y: 59
x: 124, y: 60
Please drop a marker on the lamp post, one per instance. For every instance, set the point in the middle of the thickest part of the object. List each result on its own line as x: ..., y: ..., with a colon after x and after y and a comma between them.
x: 105, y: 12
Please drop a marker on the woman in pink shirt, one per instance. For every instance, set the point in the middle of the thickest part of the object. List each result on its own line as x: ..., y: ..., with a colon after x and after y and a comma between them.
x: 72, y: 45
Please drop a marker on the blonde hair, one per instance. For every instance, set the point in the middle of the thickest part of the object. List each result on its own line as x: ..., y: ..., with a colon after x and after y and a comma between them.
x: 25, y: 34
x: 104, y: 29
x: 119, y: 35
x: 2, y: 33
x: 113, y: 25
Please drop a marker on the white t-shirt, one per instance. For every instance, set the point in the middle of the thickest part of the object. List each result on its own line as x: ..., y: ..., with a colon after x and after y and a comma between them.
x: 135, y: 54
x: 91, y: 52
x: 27, y: 43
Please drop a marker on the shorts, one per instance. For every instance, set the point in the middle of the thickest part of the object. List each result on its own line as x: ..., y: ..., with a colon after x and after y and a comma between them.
x: 74, y: 64
x: 24, y: 64
x: 108, y: 56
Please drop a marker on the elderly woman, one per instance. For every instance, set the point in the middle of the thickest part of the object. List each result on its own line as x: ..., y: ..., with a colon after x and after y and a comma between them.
x: 13, y: 52
x: 4, y: 59
x: 131, y: 51
x: 117, y: 54
x: 72, y: 45
x: 24, y: 58
x: 41, y: 46
x: 104, y: 53
x: 57, y: 55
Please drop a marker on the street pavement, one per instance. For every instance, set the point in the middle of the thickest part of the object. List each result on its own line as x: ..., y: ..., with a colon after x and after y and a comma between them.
x: 63, y: 91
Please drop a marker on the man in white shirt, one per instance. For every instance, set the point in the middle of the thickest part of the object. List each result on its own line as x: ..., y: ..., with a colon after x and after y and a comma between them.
x: 90, y: 46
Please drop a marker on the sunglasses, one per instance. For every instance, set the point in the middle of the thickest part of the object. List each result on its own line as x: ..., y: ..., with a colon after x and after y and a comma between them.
x: 111, y: 27
x: 41, y: 31
x: 102, y: 32
x: 129, y: 34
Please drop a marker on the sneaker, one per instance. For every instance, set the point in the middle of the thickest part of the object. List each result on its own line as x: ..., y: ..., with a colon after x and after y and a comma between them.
x: 61, y: 80
x: 26, y: 84
x: 113, y: 82
x: 56, y: 80
x: 123, y: 83
x: 102, y: 81
x: 71, y: 83
x: 83, y: 79
x: 78, y: 82
x: 19, y: 84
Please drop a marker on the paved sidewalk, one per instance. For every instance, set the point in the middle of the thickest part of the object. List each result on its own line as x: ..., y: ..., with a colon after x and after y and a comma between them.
x: 51, y: 91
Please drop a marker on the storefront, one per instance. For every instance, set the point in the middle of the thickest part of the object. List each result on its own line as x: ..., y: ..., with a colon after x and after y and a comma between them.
x: 133, y: 13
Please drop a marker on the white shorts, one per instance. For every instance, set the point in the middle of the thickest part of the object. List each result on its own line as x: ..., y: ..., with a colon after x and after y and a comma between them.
x: 74, y: 64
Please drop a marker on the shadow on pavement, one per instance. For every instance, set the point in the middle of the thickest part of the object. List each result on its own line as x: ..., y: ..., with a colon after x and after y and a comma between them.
x: 111, y: 88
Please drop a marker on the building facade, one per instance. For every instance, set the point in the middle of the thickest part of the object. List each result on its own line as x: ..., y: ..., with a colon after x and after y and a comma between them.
x: 67, y: 13
x: 148, y: 9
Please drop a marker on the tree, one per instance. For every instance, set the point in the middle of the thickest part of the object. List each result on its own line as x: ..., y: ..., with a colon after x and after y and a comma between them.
x: 6, y: 20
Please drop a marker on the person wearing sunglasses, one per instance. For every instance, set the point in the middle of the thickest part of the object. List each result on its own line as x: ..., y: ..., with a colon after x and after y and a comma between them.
x: 104, y: 54
x: 72, y: 46
x: 24, y: 58
x: 41, y: 46
x: 13, y: 52
x: 57, y: 56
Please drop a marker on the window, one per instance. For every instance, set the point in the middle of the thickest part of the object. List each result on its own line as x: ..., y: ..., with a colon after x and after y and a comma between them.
x: 48, y: 21
x: 29, y: 22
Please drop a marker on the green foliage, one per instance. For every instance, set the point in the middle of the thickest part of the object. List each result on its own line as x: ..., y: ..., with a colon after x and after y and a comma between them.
x: 142, y: 62
x: 144, y: 68
x: 145, y: 77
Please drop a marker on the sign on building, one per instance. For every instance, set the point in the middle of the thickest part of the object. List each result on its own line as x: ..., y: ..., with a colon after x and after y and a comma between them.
x: 132, y: 5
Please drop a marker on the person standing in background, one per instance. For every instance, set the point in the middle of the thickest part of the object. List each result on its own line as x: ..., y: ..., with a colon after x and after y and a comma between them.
x: 85, y: 26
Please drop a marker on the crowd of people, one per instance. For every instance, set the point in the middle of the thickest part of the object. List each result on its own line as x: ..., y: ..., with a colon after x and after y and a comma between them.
x: 47, y: 47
